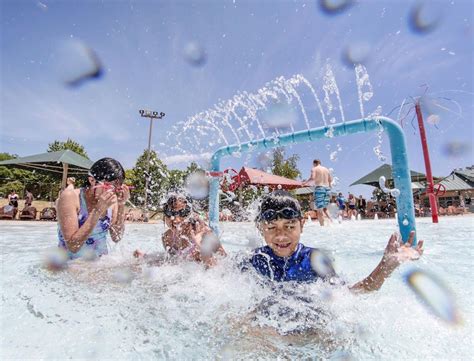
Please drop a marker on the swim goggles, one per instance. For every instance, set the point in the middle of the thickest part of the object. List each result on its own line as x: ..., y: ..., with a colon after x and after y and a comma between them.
x: 115, y: 187
x: 181, y: 213
x: 286, y: 213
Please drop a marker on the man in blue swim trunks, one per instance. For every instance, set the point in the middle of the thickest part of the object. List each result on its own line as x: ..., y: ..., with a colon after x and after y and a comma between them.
x: 321, y: 179
x: 284, y: 258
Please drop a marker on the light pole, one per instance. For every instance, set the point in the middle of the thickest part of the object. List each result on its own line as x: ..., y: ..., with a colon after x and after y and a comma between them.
x: 152, y: 115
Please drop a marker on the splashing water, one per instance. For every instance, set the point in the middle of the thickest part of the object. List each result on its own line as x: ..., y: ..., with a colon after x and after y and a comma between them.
x: 364, y: 87
x: 331, y: 90
x: 262, y: 114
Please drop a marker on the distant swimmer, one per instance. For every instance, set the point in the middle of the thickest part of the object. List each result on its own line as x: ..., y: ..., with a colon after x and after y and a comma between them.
x: 321, y: 179
x: 85, y: 217
x: 187, y: 237
x: 284, y: 258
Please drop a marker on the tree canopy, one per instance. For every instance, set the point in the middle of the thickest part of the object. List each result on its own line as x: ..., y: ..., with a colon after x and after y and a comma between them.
x: 285, y: 167
x: 68, y: 144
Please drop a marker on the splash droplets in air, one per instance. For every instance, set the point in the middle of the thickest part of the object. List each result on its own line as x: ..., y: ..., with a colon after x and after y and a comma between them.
x: 364, y: 87
x: 331, y: 90
x: 282, y: 106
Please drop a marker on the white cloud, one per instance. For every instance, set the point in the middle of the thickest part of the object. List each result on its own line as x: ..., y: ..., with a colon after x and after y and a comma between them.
x: 183, y: 158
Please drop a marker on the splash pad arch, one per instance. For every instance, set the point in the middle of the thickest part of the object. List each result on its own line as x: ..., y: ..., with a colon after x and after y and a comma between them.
x: 400, y: 169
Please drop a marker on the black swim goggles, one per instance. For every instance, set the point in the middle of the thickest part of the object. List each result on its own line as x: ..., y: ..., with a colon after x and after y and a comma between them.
x: 181, y: 213
x: 286, y: 213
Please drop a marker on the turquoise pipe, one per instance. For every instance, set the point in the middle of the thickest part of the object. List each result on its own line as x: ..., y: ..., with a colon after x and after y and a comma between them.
x: 400, y: 169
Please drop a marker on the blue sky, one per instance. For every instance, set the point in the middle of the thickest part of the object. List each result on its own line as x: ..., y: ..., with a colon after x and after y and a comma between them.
x: 142, y: 46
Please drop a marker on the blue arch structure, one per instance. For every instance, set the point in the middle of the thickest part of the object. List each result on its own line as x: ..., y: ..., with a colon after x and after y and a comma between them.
x: 400, y: 169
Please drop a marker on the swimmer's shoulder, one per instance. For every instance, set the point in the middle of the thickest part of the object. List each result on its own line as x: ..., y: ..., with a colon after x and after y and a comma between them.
x: 68, y: 197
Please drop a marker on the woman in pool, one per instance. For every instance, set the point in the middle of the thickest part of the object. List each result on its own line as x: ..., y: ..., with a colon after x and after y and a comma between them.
x: 284, y: 258
x: 85, y: 217
x: 187, y: 237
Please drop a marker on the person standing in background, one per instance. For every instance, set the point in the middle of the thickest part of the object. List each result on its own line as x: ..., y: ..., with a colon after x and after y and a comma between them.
x: 321, y: 179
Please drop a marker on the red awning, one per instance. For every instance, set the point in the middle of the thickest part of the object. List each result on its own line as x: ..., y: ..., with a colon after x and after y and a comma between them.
x: 260, y: 178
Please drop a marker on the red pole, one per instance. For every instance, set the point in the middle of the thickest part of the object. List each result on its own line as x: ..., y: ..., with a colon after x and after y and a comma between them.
x: 429, y: 175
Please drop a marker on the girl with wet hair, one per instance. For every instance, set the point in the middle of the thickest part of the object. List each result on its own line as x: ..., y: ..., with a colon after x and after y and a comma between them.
x: 86, y: 216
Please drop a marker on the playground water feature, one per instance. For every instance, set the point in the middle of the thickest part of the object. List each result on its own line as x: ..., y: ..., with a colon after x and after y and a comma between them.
x: 118, y: 307
x: 271, y: 112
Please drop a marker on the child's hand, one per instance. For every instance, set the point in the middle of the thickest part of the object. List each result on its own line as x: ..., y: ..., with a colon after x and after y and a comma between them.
x: 396, y: 253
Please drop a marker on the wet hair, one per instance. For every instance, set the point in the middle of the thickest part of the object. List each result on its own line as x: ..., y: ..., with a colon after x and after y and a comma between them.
x: 107, y: 169
x: 173, y: 198
x: 316, y: 161
x: 278, y: 200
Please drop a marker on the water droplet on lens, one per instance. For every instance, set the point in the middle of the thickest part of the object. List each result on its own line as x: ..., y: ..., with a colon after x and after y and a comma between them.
x: 197, y: 185
x: 123, y: 275
x: 209, y: 244
x: 264, y: 160
x: 76, y: 63
x: 88, y: 255
x: 433, y: 294
x: 433, y: 119
x: 278, y: 116
x: 332, y: 7
x: 456, y: 149
x: 425, y: 17
x: 195, y: 54
x: 321, y: 263
x: 356, y: 53
x: 56, y: 259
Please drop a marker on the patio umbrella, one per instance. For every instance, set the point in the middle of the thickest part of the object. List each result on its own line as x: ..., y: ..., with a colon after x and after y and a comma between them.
x: 62, y: 162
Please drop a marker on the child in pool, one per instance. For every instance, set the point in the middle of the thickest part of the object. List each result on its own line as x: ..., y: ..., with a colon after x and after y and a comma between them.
x: 187, y: 237
x: 284, y: 258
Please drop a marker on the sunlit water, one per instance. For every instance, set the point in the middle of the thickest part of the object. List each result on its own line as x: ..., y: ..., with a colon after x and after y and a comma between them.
x: 118, y: 307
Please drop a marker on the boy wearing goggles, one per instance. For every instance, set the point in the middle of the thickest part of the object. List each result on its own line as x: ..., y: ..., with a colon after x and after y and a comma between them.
x: 284, y: 258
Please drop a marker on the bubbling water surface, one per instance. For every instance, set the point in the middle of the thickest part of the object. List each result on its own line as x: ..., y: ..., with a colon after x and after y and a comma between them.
x: 120, y: 307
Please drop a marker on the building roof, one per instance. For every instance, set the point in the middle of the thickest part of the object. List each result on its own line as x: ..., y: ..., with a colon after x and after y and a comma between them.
x: 459, y: 180
x: 385, y: 170
x: 51, y: 162
x: 467, y: 173
x: 260, y: 178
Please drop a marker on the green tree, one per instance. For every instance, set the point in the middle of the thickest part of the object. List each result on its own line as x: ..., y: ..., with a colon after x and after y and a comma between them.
x: 285, y: 167
x: 159, y: 180
x: 68, y: 144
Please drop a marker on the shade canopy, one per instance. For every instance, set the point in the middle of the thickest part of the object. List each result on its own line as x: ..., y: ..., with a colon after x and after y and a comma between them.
x: 62, y: 162
x: 385, y: 170
x: 260, y: 178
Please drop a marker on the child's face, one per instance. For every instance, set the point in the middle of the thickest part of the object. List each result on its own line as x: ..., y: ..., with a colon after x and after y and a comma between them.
x: 282, y: 235
x: 176, y: 217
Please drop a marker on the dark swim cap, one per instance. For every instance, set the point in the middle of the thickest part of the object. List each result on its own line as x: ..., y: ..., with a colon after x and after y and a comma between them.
x: 107, y: 169
x: 277, y: 201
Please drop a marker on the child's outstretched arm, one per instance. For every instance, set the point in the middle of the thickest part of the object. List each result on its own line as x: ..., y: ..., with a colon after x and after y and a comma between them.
x: 394, y: 255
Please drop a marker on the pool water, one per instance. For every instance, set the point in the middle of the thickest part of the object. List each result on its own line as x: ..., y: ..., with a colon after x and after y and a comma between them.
x: 122, y: 308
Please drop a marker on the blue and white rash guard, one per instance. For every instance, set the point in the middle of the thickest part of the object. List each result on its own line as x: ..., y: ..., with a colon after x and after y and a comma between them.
x: 297, y: 267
